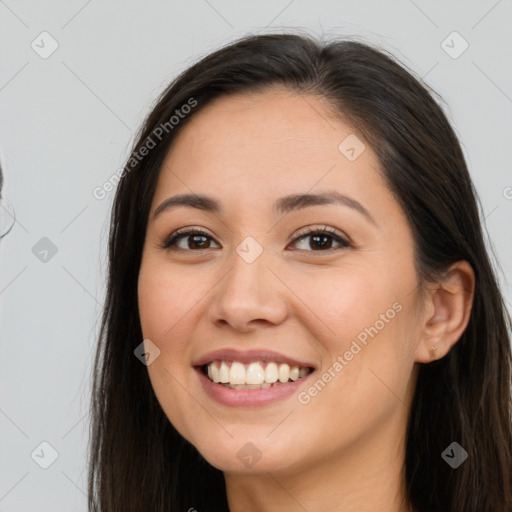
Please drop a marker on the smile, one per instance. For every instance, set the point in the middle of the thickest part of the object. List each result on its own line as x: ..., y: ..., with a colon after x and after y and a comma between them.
x: 252, y: 378
x: 255, y: 375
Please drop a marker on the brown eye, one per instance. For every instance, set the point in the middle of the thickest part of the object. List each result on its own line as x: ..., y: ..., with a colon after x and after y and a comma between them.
x: 321, y: 240
x: 195, y: 240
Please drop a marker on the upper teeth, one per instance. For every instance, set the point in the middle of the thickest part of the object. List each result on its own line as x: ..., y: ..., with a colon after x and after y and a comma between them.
x: 253, y: 373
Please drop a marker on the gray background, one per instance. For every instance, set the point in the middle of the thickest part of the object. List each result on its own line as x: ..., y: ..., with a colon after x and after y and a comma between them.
x: 67, y: 122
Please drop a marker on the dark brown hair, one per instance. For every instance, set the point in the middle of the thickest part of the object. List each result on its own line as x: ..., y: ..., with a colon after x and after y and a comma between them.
x: 138, y: 461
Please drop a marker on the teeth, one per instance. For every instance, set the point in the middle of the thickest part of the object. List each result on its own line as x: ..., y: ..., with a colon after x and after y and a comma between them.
x: 284, y: 373
x: 213, y: 373
x: 237, y: 374
x: 255, y: 375
x: 223, y: 372
x: 271, y: 373
x: 294, y: 373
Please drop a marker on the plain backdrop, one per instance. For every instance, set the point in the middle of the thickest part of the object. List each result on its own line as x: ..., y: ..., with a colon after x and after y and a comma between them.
x: 67, y: 121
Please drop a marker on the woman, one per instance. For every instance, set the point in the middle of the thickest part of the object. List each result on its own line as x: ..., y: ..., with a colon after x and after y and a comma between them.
x: 301, y: 313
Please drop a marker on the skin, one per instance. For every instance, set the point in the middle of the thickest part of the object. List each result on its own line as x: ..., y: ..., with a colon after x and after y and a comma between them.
x: 344, y: 449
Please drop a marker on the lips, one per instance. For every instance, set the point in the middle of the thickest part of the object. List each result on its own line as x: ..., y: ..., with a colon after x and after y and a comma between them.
x: 251, y: 395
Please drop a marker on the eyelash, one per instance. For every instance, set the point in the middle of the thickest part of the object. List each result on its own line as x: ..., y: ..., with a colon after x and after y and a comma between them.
x: 325, y: 230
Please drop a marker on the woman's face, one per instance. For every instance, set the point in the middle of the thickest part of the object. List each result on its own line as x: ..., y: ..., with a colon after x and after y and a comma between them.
x: 256, y: 285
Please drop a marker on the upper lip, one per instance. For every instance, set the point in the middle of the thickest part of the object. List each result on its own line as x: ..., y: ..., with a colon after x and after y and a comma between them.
x: 249, y: 356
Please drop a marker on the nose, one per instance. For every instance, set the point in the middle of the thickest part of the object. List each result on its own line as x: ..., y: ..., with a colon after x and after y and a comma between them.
x: 249, y: 296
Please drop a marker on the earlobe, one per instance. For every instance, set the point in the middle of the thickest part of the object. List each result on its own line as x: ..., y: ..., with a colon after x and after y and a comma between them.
x: 433, y: 352
x: 448, y: 312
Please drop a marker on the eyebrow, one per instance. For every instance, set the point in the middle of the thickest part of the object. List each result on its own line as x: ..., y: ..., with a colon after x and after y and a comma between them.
x: 281, y: 206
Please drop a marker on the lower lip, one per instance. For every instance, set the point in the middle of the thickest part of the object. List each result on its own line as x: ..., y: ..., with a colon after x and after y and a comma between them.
x: 249, y: 397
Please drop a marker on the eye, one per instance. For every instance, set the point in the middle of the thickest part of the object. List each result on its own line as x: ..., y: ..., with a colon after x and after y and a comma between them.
x: 195, y: 239
x: 321, y: 240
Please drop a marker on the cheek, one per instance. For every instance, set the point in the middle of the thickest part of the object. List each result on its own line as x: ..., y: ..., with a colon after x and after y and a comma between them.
x: 164, y: 298
x: 349, y: 301
x: 366, y: 318
x: 164, y: 309
x: 166, y: 316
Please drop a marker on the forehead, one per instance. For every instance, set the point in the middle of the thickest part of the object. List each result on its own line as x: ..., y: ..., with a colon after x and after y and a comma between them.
x: 258, y: 146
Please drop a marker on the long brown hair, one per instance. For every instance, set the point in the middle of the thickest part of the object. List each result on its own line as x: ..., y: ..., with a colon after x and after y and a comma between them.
x: 138, y: 461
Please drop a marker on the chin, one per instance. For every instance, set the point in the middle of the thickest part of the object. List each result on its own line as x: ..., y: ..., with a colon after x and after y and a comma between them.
x: 249, y: 456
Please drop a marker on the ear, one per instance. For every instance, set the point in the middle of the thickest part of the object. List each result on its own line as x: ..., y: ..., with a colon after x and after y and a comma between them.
x: 446, y: 312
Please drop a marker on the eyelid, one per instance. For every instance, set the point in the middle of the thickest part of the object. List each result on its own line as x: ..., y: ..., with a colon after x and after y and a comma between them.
x: 344, y: 241
x: 170, y: 240
x: 341, y: 238
x: 311, y: 230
